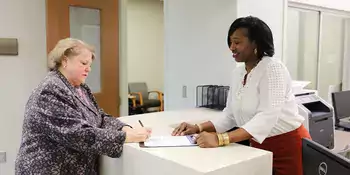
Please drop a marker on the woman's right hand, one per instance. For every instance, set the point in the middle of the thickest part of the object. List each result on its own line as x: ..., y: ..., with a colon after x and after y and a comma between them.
x: 136, y: 135
x: 185, y: 129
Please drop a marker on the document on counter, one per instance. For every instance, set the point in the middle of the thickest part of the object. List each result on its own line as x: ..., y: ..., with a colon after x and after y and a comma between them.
x: 169, y: 141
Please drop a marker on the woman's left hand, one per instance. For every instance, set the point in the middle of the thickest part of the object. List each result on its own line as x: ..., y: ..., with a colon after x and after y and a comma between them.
x: 207, y: 140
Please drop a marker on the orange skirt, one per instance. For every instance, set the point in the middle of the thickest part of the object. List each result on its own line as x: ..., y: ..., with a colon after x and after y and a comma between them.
x: 287, y: 151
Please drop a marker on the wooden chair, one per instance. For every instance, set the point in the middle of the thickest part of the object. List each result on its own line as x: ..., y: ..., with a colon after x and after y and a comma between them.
x: 142, y: 96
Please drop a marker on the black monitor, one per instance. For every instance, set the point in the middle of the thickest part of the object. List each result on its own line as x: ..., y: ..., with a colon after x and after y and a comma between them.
x: 318, y: 160
x: 341, y: 101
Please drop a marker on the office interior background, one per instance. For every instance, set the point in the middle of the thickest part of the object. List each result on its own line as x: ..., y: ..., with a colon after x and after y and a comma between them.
x: 173, y: 46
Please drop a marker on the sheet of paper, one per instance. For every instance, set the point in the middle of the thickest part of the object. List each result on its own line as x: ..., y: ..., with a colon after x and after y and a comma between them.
x: 170, y: 141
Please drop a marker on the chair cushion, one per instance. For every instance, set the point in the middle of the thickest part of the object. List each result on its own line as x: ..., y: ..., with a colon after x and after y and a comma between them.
x: 151, y: 103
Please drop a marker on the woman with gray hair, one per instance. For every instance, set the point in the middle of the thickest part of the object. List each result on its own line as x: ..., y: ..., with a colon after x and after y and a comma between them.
x: 64, y: 130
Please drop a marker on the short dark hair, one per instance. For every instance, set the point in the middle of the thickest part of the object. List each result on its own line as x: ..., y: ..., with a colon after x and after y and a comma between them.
x: 258, y: 31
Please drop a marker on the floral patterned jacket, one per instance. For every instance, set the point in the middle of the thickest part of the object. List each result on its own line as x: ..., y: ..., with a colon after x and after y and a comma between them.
x: 65, y: 134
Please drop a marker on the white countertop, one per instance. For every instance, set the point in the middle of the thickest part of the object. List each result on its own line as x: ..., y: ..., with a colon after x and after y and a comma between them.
x: 234, y: 158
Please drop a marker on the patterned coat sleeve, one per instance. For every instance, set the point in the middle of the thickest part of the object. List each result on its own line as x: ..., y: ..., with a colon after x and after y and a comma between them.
x: 110, y: 122
x: 61, y: 120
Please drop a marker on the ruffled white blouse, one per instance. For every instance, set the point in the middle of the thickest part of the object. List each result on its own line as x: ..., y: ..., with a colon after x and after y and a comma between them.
x: 265, y: 106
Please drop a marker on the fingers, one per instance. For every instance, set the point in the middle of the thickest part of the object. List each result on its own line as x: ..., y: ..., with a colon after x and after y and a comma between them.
x: 202, y: 145
x: 145, y: 134
x: 175, y: 131
x: 200, y: 135
x: 183, y: 133
x: 187, y: 131
x: 149, y: 130
x: 143, y: 138
x: 182, y: 128
x: 199, y: 139
x: 202, y: 140
x: 178, y: 130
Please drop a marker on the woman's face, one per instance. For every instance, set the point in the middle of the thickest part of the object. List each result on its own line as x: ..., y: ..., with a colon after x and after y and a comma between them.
x: 78, y: 67
x: 242, y: 48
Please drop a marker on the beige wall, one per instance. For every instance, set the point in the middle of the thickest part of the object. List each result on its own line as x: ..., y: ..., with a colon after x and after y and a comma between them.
x: 24, y: 20
x: 145, y: 42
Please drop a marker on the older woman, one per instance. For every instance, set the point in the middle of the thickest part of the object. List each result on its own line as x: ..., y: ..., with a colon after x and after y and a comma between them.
x: 64, y: 130
x: 260, y: 102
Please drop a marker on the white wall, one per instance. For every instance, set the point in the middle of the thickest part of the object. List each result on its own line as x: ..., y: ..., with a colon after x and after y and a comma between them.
x: 331, y: 44
x: 302, y: 44
x: 196, y: 50
x: 334, y: 4
x: 308, y: 47
x: 123, y: 58
x: 24, y: 20
x: 145, y: 46
x: 271, y: 12
x: 346, y: 62
x: 292, y: 37
x: 331, y: 55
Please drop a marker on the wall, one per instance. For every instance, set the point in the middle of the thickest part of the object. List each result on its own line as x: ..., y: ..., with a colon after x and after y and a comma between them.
x: 291, y: 59
x: 196, y: 50
x: 331, y: 55
x: 271, y: 12
x: 145, y: 46
x: 24, y: 20
x: 346, y: 62
x: 308, y: 47
x: 302, y: 40
x: 333, y: 4
x: 123, y: 58
x: 331, y: 45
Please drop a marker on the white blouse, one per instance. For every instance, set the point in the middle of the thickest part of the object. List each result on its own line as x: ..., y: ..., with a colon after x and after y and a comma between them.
x: 265, y: 106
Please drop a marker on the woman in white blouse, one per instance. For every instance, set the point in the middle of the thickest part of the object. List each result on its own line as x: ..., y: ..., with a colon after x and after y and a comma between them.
x: 260, y: 102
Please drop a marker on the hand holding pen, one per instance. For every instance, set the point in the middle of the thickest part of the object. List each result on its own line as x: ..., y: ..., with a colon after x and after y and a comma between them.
x: 137, y: 134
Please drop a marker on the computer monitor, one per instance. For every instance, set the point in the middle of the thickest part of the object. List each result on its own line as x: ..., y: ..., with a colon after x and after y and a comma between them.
x: 341, y: 101
x: 318, y: 160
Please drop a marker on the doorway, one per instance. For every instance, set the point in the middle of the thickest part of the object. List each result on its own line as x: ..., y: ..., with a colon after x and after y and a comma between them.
x: 145, y: 55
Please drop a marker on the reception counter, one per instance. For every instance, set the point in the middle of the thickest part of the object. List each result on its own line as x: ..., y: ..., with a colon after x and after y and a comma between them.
x: 232, y: 159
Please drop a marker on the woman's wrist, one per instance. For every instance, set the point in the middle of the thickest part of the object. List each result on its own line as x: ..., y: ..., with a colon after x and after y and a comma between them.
x: 223, y: 139
x: 199, y: 128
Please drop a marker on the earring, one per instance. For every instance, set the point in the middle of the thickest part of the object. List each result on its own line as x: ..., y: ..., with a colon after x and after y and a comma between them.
x: 255, y: 51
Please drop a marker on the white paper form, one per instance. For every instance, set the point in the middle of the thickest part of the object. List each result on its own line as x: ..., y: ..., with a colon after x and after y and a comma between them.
x: 170, y: 141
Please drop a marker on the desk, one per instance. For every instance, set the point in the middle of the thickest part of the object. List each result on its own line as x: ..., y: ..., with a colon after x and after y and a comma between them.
x: 341, y: 139
x: 232, y: 159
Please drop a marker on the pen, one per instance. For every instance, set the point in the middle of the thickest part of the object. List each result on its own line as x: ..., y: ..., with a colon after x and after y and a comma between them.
x: 140, y: 123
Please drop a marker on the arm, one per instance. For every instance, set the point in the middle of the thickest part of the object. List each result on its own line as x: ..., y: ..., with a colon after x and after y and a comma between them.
x: 272, y: 89
x: 61, y: 121
x: 110, y: 122
x: 224, y: 122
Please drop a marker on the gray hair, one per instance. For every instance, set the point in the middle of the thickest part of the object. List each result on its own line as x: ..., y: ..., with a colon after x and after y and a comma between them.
x: 67, y: 47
